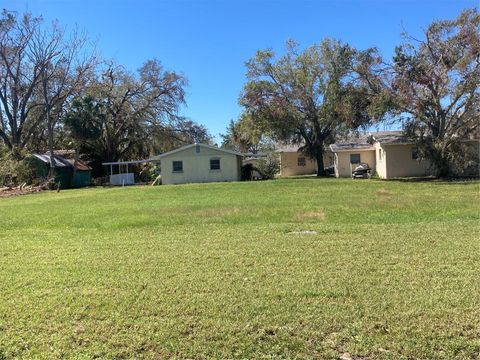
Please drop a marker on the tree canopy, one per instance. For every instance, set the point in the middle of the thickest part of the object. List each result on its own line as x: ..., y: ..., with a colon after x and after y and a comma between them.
x: 436, y: 87
x: 308, y: 97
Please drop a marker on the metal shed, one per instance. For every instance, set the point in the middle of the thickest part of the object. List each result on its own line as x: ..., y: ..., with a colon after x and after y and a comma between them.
x: 64, y: 172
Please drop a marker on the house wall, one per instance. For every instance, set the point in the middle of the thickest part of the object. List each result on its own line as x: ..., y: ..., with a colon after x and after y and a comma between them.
x: 343, y: 168
x: 196, y: 166
x: 289, y: 163
x: 380, y: 160
x: 399, y: 162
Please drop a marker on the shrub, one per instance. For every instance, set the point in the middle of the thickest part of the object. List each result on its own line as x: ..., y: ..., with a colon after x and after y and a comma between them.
x: 15, y: 172
x: 148, y: 172
x: 268, y: 166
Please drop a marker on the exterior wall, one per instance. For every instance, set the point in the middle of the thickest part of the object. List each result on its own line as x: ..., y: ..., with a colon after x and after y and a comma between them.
x: 289, y: 163
x: 343, y: 168
x: 196, y: 166
x: 381, y: 163
x: 399, y: 162
x: 82, y: 178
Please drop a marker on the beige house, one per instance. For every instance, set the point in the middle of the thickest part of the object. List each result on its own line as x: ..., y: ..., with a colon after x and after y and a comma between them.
x: 293, y: 162
x: 199, y: 163
x: 388, y: 153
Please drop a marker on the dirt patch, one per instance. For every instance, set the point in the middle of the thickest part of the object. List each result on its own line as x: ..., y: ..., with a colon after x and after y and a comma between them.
x: 217, y: 211
x: 6, y: 192
x: 302, y: 232
x: 383, y: 192
x: 309, y: 215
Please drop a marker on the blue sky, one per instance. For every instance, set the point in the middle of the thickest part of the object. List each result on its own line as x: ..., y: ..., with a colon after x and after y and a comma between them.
x: 210, y: 40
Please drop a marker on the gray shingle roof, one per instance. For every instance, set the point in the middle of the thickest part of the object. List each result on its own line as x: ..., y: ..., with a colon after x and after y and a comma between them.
x: 365, y: 141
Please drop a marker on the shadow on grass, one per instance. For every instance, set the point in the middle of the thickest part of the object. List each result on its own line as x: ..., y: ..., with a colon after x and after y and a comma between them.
x: 451, y: 180
x: 304, y: 177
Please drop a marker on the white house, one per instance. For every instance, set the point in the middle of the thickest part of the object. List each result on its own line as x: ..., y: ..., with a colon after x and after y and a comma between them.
x: 198, y: 163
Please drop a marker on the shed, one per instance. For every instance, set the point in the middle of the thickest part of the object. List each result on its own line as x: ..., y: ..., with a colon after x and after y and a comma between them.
x: 199, y: 163
x: 64, y: 170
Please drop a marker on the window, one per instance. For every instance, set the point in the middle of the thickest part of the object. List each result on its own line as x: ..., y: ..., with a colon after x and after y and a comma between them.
x: 354, y: 158
x: 177, y: 166
x: 301, y: 161
x: 214, y: 164
x: 197, y: 149
x: 415, y: 154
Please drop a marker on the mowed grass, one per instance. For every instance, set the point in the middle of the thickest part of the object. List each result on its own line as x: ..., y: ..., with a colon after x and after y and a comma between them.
x: 298, y: 268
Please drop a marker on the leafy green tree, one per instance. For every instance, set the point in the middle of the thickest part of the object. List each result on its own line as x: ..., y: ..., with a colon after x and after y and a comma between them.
x: 308, y: 97
x: 436, y: 87
x: 84, y: 121
x: 244, y: 135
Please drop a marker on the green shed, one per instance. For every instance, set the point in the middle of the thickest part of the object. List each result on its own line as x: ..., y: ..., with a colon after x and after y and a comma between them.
x: 64, y: 170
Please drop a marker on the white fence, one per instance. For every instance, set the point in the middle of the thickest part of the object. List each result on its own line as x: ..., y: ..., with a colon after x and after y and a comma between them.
x: 122, y: 179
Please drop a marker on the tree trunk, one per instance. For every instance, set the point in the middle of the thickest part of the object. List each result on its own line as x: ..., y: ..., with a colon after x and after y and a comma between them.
x: 442, y: 165
x: 51, y: 172
x: 320, y: 164
x: 75, y: 162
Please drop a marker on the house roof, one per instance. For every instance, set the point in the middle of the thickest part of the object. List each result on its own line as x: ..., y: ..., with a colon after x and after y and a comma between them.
x: 281, y: 147
x: 80, y: 165
x: 365, y: 141
x: 60, y: 162
x: 288, y: 148
x: 158, y: 157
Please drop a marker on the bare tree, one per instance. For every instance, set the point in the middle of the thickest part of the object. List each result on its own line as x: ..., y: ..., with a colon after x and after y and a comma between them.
x: 19, y: 78
x: 40, y: 69
x: 67, y: 66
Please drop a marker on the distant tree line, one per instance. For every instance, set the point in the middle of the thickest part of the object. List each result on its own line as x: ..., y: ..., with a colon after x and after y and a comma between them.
x: 316, y: 95
x: 57, y: 93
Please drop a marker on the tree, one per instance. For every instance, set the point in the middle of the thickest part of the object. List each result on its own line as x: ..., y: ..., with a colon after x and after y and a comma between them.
x: 19, y: 78
x: 311, y: 96
x: 244, y: 135
x: 436, y: 85
x: 66, y: 72
x: 84, y: 121
x: 39, y: 69
x: 181, y: 132
x: 135, y: 107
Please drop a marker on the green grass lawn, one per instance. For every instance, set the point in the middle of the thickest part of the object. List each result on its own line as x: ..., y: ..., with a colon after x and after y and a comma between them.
x: 385, y: 270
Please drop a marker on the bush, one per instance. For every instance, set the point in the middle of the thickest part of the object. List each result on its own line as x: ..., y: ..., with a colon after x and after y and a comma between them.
x: 148, y: 172
x: 15, y: 172
x: 268, y: 166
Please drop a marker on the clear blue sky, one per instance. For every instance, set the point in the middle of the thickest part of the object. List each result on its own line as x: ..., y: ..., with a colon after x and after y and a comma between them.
x: 209, y: 40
